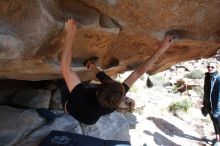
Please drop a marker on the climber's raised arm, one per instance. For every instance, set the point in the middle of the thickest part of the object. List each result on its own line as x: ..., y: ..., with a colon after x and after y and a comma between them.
x: 70, y: 77
x: 148, y: 63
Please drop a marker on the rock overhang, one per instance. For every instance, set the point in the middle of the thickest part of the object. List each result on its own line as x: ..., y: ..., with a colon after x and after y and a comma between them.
x: 120, y: 33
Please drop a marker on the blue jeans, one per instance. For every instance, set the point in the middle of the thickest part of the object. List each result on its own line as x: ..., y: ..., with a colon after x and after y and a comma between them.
x: 216, y: 124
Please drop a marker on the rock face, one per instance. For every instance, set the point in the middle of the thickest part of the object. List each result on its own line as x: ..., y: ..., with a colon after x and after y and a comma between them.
x: 120, y: 33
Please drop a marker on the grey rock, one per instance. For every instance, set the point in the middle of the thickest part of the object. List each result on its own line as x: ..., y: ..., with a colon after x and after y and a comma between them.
x: 55, y: 102
x: 33, y: 98
x: 15, y: 124
x: 63, y: 123
x: 110, y: 127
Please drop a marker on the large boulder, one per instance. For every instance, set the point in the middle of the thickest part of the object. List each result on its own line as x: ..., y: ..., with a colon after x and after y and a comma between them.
x: 120, y: 33
x: 16, y: 124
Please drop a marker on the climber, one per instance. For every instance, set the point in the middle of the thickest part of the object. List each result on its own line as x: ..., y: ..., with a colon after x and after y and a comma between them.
x: 87, y: 102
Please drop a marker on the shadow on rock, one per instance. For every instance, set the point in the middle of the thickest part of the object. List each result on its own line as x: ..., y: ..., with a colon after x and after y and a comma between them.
x: 161, y: 140
x: 170, y: 129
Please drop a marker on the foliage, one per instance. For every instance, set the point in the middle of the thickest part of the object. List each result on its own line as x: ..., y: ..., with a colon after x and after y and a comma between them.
x: 198, y: 90
x: 143, y: 77
x: 195, y: 74
x: 157, y: 80
x: 174, y: 88
x: 183, y: 106
x: 134, y: 88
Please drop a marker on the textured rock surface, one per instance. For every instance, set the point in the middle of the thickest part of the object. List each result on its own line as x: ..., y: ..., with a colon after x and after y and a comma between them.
x: 120, y: 33
x: 21, y: 122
